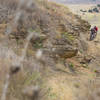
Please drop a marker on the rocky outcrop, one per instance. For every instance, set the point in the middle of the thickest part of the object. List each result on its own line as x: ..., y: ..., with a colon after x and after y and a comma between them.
x: 64, y: 51
x: 58, y: 32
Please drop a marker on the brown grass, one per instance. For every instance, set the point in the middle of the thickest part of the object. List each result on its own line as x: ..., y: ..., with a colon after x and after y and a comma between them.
x: 52, y: 20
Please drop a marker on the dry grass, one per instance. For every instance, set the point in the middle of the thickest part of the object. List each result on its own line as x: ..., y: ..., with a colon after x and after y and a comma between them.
x: 46, y: 18
x: 65, y: 87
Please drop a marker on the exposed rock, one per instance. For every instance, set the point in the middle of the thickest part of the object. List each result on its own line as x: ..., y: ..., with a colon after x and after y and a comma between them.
x: 65, y: 52
x: 88, y: 58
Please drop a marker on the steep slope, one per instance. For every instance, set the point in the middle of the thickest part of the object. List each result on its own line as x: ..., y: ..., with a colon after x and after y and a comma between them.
x: 42, y: 49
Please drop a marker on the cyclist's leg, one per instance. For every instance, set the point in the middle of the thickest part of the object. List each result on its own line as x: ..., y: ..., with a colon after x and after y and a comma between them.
x: 95, y: 34
x: 91, y: 36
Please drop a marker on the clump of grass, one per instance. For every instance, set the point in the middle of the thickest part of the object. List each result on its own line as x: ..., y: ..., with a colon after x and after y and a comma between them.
x: 32, y: 77
x: 71, y: 65
x: 81, y: 51
x: 38, y: 45
x: 51, y: 94
x: 95, y: 71
x: 68, y: 36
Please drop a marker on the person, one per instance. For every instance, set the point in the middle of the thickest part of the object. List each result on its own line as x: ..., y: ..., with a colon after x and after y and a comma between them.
x: 96, y: 30
x: 93, y: 33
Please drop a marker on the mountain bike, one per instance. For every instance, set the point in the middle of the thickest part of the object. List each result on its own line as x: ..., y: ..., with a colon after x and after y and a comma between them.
x: 93, y: 35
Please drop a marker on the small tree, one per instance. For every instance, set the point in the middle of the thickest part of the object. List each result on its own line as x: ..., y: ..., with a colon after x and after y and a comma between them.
x: 95, y: 10
x: 90, y: 11
x: 98, y: 5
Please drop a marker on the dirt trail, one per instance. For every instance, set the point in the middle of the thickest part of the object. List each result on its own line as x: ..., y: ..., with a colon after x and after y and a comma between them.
x: 93, y: 50
x: 94, y: 46
x: 83, y: 86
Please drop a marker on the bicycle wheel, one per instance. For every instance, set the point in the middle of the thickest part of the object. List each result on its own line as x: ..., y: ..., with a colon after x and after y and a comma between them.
x: 91, y: 37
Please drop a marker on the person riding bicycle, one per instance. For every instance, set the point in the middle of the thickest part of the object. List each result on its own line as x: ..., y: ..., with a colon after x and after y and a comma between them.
x: 94, y: 31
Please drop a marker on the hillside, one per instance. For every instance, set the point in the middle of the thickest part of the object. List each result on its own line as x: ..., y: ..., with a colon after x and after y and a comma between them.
x: 44, y: 53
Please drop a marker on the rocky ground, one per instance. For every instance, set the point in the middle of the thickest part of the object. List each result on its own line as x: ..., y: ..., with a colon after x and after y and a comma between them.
x: 45, y: 53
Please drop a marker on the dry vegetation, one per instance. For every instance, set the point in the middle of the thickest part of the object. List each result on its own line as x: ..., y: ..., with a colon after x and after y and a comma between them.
x: 48, y: 71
